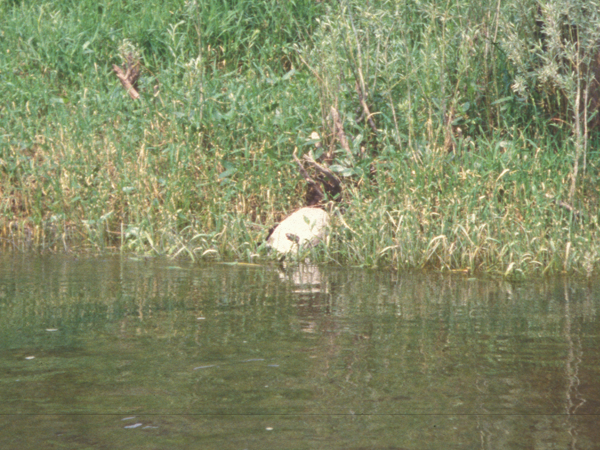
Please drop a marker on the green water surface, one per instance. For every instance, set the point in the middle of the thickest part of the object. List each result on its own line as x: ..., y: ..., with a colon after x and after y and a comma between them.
x: 122, y: 353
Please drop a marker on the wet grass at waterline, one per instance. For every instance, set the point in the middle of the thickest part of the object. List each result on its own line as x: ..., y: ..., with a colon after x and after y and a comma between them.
x: 472, y: 212
x: 469, y: 176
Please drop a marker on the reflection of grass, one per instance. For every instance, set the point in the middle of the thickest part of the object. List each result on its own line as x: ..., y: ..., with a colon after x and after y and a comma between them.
x: 468, y: 177
x: 380, y: 346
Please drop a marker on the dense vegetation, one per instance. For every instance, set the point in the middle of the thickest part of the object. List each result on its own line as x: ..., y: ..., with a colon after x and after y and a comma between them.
x: 471, y: 129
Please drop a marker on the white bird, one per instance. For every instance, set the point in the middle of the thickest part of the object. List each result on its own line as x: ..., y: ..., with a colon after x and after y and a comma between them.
x: 304, y: 228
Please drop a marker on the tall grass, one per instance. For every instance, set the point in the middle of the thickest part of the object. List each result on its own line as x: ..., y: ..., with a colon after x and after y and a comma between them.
x: 448, y: 167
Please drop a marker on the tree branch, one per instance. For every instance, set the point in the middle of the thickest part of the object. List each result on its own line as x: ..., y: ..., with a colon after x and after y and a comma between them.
x: 127, y: 81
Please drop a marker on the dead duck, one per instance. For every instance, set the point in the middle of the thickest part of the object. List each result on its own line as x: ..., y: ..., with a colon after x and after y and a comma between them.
x: 308, y: 226
x: 303, y: 229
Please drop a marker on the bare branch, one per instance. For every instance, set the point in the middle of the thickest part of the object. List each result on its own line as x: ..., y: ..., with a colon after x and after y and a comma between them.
x: 366, y: 112
x: 338, y: 129
x: 314, y: 72
x: 569, y: 208
x: 127, y: 81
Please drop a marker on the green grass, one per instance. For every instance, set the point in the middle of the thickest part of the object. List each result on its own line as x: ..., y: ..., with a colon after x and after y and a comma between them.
x: 469, y: 175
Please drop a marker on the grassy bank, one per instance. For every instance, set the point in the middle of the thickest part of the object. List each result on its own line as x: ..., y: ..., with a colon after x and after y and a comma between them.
x: 450, y: 162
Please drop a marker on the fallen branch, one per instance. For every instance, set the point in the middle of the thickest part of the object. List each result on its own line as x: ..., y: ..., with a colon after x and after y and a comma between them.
x: 366, y: 112
x: 338, y: 129
x: 314, y: 72
x: 565, y: 205
x: 128, y: 79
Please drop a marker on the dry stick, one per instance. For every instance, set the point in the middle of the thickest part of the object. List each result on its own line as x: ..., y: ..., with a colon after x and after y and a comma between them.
x: 568, y: 207
x: 314, y: 72
x: 366, y: 112
x: 585, y: 121
x: 124, y: 78
x: 339, y: 131
x: 360, y: 80
x: 361, y: 89
x: 577, y: 131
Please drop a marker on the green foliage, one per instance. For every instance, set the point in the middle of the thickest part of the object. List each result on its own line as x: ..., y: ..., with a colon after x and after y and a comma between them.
x: 561, y: 55
x: 426, y: 67
x: 446, y: 165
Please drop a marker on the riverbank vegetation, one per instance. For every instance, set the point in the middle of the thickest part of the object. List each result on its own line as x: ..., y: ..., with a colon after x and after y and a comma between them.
x: 466, y: 135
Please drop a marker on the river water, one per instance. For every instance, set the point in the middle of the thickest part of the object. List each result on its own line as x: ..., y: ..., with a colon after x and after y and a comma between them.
x: 125, y: 353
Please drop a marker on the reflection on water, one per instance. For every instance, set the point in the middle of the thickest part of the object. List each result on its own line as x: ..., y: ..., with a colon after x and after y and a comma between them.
x: 123, y: 353
x: 305, y: 277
